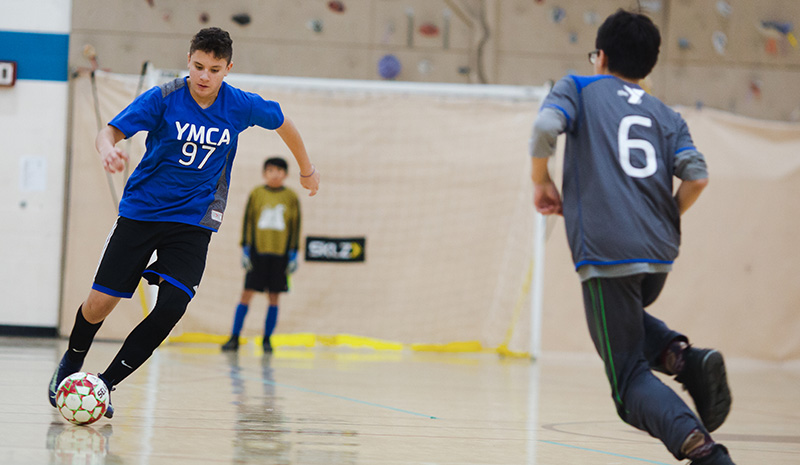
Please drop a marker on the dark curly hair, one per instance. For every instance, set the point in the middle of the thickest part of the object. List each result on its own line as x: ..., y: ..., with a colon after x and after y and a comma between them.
x: 215, y: 41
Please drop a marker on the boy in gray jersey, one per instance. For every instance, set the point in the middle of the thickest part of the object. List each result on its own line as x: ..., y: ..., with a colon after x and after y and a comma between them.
x: 623, y: 149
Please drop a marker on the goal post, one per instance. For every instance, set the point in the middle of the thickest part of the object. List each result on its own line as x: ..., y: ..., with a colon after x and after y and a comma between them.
x: 537, y: 283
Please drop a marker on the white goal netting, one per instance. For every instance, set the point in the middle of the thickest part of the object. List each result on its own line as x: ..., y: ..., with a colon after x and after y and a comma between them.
x: 434, y: 177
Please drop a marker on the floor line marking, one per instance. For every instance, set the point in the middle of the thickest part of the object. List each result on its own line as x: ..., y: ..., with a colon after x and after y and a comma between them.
x: 336, y: 396
x: 601, y: 452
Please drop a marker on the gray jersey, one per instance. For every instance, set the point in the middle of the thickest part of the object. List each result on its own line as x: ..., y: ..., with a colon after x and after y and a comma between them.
x: 622, y: 150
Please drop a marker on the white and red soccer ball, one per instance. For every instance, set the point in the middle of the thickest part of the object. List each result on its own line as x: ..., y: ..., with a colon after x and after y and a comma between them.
x: 82, y: 398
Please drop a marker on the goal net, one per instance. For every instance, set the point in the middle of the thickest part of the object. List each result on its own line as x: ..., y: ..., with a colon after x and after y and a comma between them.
x: 433, y: 177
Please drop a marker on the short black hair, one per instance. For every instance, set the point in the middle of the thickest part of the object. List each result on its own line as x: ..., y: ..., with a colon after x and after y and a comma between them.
x: 631, y: 42
x: 215, y: 41
x: 277, y: 162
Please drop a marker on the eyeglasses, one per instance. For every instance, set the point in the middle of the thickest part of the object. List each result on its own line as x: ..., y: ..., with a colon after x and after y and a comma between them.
x: 593, y: 56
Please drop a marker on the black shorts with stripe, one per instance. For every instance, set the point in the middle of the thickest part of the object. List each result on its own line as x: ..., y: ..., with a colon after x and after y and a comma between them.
x: 268, y: 273
x: 181, y: 251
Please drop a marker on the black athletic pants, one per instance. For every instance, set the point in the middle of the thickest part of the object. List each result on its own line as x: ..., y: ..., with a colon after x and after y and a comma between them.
x: 630, y: 342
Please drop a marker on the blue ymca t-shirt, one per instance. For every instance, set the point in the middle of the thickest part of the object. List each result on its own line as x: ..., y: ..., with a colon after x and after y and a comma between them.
x: 185, y: 172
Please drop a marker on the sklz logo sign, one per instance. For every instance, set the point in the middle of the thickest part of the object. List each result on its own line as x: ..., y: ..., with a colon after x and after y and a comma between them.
x: 326, y: 249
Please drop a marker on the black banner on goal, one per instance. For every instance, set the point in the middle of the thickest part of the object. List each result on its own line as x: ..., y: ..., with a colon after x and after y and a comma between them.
x: 328, y: 249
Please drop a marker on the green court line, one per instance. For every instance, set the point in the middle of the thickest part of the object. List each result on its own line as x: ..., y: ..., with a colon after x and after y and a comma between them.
x: 394, y: 409
x: 602, y: 452
x: 336, y: 396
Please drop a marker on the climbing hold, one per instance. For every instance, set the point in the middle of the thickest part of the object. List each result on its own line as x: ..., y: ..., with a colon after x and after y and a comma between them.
x: 336, y: 6
x: 429, y: 30
x: 242, y: 19
x: 557, y: 14
x: 720, y: 41
x: 315, y: 25
x: 424, y: 67
x: 389, y: 66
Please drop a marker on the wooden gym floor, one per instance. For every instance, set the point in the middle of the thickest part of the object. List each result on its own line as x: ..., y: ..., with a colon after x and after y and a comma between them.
x: 192, y: 404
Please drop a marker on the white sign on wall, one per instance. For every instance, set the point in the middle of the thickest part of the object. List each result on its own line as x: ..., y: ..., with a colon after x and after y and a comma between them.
x: 33, y: 173
x: 8, y: 73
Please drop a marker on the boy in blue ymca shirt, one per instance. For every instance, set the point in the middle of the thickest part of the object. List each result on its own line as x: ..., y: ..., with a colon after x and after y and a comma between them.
x: 174, y: 199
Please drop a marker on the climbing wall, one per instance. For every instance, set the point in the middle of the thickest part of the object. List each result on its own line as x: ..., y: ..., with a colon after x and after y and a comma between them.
x: 735, y: 55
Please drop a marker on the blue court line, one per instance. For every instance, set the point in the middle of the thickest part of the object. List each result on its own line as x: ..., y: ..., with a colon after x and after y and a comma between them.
x: 372, y: 404
x: 335, y: 396
x: 602, y: 452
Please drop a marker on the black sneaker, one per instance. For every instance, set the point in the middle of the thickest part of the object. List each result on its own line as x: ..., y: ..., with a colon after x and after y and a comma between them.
x: 704, y: 376
x: 718, y: 456
x: 232, y: 345
x: 267, y: 346
x: 109, y: 408
x: 64, y: 369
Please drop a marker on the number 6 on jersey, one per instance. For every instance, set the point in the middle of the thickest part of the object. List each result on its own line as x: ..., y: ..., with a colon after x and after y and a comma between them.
x: 626, y: 144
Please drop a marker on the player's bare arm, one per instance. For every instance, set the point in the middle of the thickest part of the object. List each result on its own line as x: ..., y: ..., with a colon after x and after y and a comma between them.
x: 546, y: 198
x: 688, y: 192
x: 309, y: 175
x: 548, y: 125
x: 112, y: 157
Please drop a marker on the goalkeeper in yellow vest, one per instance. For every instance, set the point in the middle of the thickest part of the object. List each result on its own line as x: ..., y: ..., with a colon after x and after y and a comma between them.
x: 270, y: 238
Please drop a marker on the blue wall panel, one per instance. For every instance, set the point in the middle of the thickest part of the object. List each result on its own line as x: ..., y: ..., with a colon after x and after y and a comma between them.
x: 39, y: 56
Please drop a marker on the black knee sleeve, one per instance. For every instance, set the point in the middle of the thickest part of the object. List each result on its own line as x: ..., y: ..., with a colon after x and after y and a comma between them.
x: 170, y: 306
x: 150, y: 333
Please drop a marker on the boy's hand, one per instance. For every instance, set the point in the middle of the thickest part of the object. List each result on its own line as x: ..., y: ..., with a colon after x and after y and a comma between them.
x: 311, y: 181
x: 546, y: 198
x: 114, y: 160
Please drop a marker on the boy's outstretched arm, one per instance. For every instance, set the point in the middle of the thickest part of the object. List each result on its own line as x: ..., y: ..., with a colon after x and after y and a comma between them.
x: 309, y: 176
x: 113, y: 158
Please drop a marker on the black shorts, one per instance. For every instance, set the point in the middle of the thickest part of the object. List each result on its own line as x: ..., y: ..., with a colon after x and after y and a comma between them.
x: 268, y: 273
x: 181, y: 256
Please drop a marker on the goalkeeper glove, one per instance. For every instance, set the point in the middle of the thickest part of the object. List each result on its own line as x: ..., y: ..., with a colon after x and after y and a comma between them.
x: 291, y: 267
x: 247, y: 264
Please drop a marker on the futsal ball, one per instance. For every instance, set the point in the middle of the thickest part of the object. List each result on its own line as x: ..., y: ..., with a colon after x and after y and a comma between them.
x: 82, y: 398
